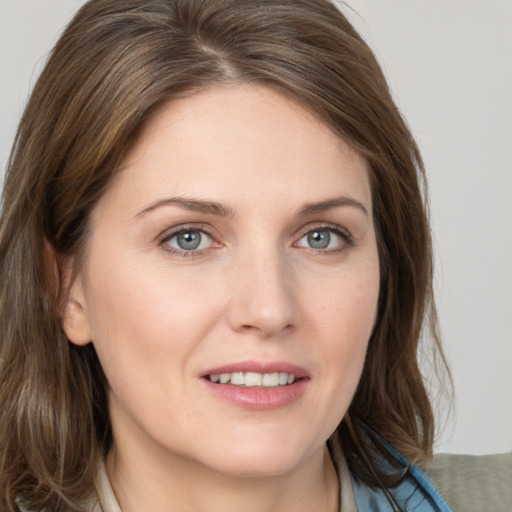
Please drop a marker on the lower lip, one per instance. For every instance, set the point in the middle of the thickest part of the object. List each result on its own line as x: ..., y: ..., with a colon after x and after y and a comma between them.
x: 259, y: 399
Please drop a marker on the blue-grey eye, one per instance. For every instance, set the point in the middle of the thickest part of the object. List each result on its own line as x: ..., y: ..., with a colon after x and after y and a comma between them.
x: 321, y: 238
x: 189, y: 240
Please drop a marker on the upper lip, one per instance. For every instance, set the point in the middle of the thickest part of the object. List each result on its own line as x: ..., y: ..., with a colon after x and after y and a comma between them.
x: 259, y: 367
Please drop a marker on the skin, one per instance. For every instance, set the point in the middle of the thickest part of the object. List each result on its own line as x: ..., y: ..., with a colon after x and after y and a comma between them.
x: 159, y: 317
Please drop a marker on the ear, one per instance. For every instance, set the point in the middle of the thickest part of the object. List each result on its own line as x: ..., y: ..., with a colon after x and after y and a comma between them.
x: 75, y: 320
x: 73, y: 309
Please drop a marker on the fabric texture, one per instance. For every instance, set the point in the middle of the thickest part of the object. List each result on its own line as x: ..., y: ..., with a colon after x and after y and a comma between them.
x: 471, y: 483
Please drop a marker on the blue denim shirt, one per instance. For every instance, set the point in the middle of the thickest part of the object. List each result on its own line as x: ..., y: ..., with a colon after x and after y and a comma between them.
x: 414, y: 494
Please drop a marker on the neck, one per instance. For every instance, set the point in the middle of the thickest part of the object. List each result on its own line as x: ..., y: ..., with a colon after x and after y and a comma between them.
x: 171, y: 483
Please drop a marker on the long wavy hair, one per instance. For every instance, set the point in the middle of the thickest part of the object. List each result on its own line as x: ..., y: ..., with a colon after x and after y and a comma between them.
x: 113, y: 66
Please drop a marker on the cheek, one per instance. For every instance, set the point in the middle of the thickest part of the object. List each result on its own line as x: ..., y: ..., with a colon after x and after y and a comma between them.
x: 145, y: 333
x: 143, y: 301
x: 140, y: 322
x: 349, y: 308
x: 345, y: 318
x: 152, y: 323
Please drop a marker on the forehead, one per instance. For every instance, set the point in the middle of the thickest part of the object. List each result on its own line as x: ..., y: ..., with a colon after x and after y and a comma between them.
x: 242, y: 142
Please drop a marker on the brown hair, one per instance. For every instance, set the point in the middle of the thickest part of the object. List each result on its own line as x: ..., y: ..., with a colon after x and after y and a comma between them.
x: 116, y: 62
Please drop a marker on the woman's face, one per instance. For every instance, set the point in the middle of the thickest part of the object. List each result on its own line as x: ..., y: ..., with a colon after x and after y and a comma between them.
x: 230, y: 283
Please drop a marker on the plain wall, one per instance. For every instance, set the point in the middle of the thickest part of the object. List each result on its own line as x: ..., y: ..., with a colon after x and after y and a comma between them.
x: 449, y: 65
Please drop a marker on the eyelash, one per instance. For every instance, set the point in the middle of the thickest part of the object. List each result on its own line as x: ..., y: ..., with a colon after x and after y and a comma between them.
x: 342, y: 233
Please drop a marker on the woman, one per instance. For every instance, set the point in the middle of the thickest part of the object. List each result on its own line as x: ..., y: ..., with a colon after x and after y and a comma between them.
x: 216, y: 266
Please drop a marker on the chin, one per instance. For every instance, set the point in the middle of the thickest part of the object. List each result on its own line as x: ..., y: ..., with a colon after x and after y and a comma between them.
x: 260, y: 460
x: 257, y: 467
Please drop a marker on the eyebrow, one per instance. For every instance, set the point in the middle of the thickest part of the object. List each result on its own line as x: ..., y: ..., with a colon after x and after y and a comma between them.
x: 329, y: 204
x: 218, y: 209
x: 194, y: 205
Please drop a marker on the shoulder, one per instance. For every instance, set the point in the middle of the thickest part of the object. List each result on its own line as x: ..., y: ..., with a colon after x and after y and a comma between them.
x: 472, y: 483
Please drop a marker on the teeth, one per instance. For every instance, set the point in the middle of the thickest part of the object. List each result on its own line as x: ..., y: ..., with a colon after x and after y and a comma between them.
x: 270, y: 379
x: 254, y: 379
x: 238, y: 378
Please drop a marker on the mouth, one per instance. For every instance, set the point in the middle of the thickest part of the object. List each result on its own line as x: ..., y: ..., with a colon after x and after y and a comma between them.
x: 253, y: 379
x: 256, y: 385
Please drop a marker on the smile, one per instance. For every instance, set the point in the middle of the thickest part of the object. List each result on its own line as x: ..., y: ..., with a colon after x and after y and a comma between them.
x: 257, y: 385
x: 253, y: 379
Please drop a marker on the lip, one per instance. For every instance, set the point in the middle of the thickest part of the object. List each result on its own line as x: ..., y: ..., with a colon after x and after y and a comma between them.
x: 259, y: 398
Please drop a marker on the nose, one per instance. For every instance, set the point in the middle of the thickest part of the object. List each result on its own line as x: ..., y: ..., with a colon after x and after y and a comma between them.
x: 263, y: 299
